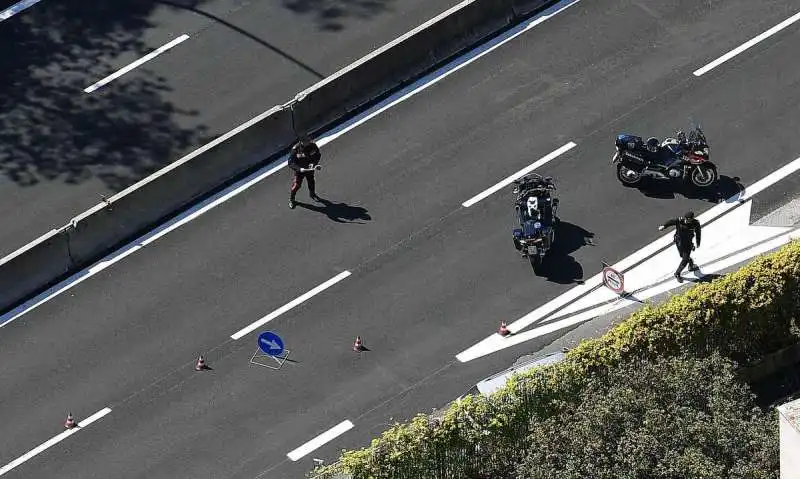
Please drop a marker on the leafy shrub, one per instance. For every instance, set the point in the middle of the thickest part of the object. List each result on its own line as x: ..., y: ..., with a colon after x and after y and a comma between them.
x: 742, y: 316
x: 658, y: 419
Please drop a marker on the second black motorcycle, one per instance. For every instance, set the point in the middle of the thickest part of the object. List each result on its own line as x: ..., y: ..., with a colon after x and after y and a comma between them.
x: 535, y: 208
x: 684, y: 158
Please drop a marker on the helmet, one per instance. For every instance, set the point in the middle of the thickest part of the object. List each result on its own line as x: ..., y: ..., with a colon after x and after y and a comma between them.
x: 689, y: 215
x: 532, y: 206
x: 652, y: 144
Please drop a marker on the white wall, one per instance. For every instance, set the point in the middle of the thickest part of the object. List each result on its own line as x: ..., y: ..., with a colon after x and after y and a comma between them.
x: 789, y: 415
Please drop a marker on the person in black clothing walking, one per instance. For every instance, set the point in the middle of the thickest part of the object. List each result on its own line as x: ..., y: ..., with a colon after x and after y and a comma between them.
x: 304, y: 161
x: 686, y: 227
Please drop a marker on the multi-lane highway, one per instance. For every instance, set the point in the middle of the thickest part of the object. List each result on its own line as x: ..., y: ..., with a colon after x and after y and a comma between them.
x: 62, y: 147
x: 428, y: 277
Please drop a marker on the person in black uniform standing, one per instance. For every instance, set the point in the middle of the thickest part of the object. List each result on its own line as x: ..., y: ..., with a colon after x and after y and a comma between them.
x: 304, y: 161
x: 686, y: 228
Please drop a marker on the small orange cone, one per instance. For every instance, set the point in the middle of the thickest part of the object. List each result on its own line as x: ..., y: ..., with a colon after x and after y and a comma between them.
x: 70, y: 422
x: 503, y: 331
x: 201, y: 364
x: 357, y: 346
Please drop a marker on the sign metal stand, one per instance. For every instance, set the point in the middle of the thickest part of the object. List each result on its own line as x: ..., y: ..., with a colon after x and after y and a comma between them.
x: 270, y: 346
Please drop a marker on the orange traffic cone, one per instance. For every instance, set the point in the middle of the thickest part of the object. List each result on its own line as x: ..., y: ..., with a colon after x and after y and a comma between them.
x: 70, y: 422
x: 201, y: 364
x: 357, y: 346
x: 503, y: 331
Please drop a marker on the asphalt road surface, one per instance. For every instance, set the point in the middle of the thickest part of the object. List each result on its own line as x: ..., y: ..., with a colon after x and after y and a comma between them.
x: 429, y: 277
x: 62, y: 148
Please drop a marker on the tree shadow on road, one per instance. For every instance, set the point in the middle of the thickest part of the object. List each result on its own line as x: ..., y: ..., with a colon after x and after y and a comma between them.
x: 187, y: 5
x: 51, y: 130
x: 559, y: 266
x: 331, y: 14
x: 339, y: 212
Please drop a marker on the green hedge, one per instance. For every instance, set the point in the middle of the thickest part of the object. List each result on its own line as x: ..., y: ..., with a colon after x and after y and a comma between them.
x: 660, y: 418
x: 743, y: 315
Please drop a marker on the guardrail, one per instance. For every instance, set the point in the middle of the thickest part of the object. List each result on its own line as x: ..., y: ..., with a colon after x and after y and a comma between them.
x: 110, y: 224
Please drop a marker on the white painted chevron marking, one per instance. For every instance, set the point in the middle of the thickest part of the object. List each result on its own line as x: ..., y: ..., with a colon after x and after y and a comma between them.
x: 728, y: 239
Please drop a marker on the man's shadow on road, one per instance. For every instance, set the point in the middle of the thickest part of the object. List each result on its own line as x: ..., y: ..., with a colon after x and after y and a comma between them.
x: 701, y: 277
x: 338, y: 212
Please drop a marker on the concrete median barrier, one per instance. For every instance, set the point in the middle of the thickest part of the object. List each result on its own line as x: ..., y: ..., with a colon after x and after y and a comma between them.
x: 526, y: 7
x: 399, y: 61
x: 33, y: 267
x: 133, y: 211
x: 128, y: 214
x: 178, y: 185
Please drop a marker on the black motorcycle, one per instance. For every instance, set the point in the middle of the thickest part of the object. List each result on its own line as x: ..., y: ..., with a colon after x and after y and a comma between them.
x: 535, y: 208
x: 679, y: 158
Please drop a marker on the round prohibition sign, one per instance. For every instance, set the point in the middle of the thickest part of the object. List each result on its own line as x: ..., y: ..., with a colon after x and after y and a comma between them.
x: 614, y: 280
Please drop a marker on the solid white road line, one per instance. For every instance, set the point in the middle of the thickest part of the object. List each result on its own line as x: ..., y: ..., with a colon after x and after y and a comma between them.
x: 724, y: 58
x: 296, y: 302
x: 258, y: 176
x: 137, y: 63
x: 545, y: 159
x: 53, y: 441
x: 557, y: 307
x: 17, y: 8
x: 321, y: 440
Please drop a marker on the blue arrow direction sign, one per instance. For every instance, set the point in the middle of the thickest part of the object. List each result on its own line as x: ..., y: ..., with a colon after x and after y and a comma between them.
x: 270, y: 343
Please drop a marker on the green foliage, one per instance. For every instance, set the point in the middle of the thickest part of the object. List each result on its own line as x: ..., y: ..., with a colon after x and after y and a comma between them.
x: 668, y: 418
x: 743, y: 316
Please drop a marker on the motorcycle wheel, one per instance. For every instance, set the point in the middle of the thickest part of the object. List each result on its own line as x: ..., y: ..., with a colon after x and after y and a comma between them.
x: 704, y: 176
x: 627, y: 176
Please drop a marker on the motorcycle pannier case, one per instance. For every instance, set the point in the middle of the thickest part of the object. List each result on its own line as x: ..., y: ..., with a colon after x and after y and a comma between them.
x: 629, y: 142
